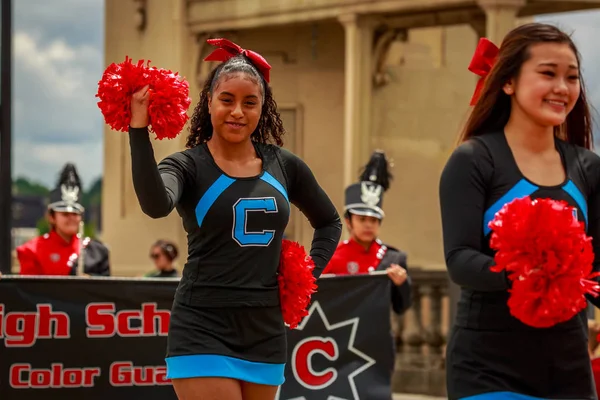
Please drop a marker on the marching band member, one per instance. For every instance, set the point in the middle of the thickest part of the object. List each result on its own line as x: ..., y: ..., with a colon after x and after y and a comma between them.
x: 364, y: 252
x: 233, y: 189
x: 57, y: 252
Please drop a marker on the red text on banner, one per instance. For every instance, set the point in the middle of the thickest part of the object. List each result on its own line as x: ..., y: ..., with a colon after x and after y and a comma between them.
x: 124, y: 373
x: 24, y: 376
x: 22, y: 329
x: 104, y: 321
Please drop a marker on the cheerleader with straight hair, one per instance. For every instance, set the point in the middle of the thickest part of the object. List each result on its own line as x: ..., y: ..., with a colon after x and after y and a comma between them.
x: 529, y: 134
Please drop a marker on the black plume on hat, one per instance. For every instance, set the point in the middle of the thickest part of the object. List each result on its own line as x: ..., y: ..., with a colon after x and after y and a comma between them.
x: 65, y: 196
x: 377, y: 170
x: 366, y: 196
x: 69, y: 176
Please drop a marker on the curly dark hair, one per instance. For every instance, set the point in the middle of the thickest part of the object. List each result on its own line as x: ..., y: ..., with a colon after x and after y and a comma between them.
x: 269, y: 128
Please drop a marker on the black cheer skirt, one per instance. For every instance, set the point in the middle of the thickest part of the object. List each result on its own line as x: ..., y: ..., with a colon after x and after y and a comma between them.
x: 244, y: 343
x: 519, y: 365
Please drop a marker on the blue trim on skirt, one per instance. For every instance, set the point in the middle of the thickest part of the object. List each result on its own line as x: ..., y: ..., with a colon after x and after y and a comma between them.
x: 502, y: 396
x: 211, y: 365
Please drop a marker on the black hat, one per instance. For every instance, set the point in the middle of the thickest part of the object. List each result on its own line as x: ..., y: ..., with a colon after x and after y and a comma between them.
x: 366, y: 196
x: 65, y: 197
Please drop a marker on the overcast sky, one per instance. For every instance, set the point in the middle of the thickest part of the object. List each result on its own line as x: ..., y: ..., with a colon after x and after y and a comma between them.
x: 58, y: 47
x: 58, y: 61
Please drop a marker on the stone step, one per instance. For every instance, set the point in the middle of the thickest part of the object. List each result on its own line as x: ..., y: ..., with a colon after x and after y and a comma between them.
x: 408, y: 396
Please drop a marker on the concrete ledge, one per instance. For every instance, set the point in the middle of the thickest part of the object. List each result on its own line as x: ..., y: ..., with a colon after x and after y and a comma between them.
x: 407, y: 396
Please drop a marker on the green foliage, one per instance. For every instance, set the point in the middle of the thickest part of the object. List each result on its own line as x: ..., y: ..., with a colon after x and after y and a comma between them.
x: 43, y: 226
x: 93, y: 196
x: 89, y: 230
x: 24, y: 186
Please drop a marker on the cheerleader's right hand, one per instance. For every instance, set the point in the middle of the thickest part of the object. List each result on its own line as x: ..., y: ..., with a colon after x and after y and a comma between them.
x: 139, y: 108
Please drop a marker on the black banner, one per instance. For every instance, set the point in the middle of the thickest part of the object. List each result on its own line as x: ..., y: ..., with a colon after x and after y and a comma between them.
x: 101, y: 338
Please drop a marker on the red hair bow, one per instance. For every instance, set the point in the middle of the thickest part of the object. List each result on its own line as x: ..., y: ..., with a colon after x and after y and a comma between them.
x: 227, y: 49
x: 482, y: 63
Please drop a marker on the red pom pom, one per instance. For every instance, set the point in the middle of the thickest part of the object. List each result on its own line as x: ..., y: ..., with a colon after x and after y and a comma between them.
x: 548, y: 258
x: 169, y: 102
x: 169, y: 97
x: 118, y: 83
x: 296, y: 282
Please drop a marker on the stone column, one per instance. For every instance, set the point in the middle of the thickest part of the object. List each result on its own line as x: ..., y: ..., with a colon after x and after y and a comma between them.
x: 165, y: 41
x: 501, y: 17
x: 357, y: 93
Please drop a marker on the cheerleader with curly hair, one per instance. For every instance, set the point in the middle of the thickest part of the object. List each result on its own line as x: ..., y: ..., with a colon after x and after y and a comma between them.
x: 233, y: 190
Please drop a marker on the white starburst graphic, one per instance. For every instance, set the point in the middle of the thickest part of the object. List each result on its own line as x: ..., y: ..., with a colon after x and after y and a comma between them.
x: 354, y: 322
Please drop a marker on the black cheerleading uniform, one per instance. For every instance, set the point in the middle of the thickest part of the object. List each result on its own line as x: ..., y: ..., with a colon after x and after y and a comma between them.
x: 490, y: 353
x: 226, y: 319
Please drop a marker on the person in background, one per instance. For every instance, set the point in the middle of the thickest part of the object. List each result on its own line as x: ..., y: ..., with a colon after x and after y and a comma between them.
x: 364, y: 252
x: 57, y: 252
x: 163, y: 253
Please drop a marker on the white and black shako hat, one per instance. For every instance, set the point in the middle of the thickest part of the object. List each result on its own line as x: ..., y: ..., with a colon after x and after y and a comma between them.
x: 66, y: 194
x: 366, y: 196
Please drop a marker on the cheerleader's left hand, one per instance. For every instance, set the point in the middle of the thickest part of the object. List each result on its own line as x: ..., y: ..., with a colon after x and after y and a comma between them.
x: 397, y: 274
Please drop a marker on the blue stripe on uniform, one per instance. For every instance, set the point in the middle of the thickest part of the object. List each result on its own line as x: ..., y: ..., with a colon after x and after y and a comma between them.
x: 210, y: 365
x: 573, y: 191
x: 502, y: 396
x: 275, y: 183
x: 521, y: 189
x: 209, y: 197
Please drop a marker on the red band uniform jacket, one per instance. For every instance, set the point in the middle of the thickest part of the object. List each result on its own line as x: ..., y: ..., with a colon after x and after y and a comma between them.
x: 351, y: 258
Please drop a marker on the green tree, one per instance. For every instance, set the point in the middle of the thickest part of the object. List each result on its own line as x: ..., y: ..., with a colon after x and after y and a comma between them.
x: 24, y: 186
x: 93, y: 196
x: 43, y: 226
x: 89, y: 230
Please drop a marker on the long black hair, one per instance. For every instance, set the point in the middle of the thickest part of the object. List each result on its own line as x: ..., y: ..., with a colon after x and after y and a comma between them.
x: 493, y: 108
x: 269, y: 128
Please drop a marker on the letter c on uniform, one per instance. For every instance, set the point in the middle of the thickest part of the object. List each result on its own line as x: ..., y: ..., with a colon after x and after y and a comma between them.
x: 302, y: 362
x: 240, y: 215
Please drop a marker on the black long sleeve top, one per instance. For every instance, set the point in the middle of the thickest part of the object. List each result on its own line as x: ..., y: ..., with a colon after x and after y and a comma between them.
x: 479, y: 178
x: 234, y: 225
